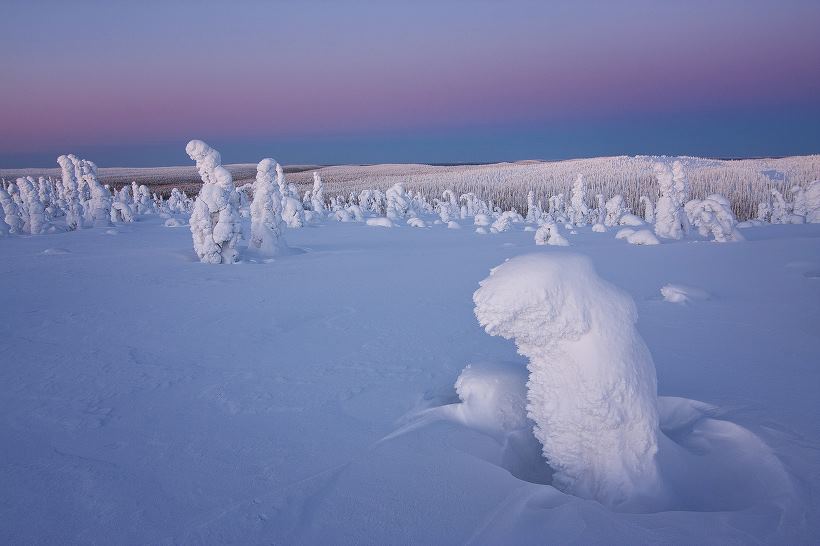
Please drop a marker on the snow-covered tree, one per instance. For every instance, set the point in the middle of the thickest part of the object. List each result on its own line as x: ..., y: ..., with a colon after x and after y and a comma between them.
x: 98, y: 205
x: 398, y: 204
x: 557, y: 208
x: 648, y: 209
x: 615, y: 208
x: 592, y: 390
x: 714, y: 216
x: 813, y: 203
x: 534, y: 212
x: 34, y: 220
x: 799, y: 204
x: 578, y: 211
x: 73, y: 207
x: 505, y: 221
x: 214, y: 221
x: 317, y: 196
x: 670, y: 219
x: 267, y: 227
x: 548, y: 234
x: 12, y: 215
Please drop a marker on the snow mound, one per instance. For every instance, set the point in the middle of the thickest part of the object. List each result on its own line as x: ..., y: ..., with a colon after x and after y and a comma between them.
x: 679, y: 293
x: 173, y: 222
x: 630, y: 220
x: 416, y: 222
x: 624, y: 233
x: 481, y: 230
x: 380, y: 222
x: 55, y: 251
x: 493, y: 397
x: 599, y: 228
x: 453, y: 225
x: 642, y: 237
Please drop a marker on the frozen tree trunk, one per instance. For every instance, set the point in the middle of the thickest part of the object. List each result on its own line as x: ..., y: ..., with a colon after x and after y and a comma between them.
x: 267, y: 226
x: 215, y: 226
x: 592, y: 390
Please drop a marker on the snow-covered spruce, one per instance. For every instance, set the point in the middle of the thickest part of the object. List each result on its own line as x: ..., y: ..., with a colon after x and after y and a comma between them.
x: 648, y: 210
x: 615, y: 208
x: 34, y: 218
x: 98, y: 206
x: 670, y: 219
x: 70, y: 181
x: 592, y: 390
x: 714, y: 216
x: 317, y: 196
x: 267, y: 226
x: 215, y: 225
x: 293, y: 213
x: 578, y: 211
x: 548, y: 234
x: 12, y: 215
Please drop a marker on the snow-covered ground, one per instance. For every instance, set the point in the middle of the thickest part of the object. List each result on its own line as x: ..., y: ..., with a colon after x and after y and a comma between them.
x: 312, y: 398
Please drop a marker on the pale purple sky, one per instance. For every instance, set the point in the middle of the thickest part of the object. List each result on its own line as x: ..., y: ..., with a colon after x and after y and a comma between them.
x: 335, y: 81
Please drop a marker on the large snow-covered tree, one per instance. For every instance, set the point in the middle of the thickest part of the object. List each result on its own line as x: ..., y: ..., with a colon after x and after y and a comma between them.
x: 214, y: 221
x: 592, y: 390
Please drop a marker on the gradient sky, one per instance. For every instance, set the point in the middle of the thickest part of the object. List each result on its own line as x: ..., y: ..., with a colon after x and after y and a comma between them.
x: 129, y: 83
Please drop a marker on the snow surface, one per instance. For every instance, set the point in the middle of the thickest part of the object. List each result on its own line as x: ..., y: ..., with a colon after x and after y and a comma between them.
x: 322, y: 397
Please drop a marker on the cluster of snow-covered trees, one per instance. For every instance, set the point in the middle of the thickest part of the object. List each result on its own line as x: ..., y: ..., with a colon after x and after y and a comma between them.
x: 668, y: 210
x: 77, y: 200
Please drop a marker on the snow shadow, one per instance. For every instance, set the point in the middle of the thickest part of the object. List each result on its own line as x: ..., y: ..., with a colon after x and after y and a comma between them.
x: 706, y: 463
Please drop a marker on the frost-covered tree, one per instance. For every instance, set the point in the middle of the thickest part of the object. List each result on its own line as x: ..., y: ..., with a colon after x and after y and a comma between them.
x: 317, y: 196
x: 578, y: 211
x: 548, y: 234
x: 557, y: 208
x: 648, y: 210
x: 615, y: 208
x: 534, y: 212
x: 12, y: 215
x: 214, y: 221
x: 267, y: 227
x: 98, y: 205
x: 799, y: 203
x: 70, y: 182
x: 670, y: 218
x: 714, y: 215
x: 34, y: 219
x: 505, y: 221
x: 144, y: 202
x: 398, y: 204
x: 813, y: 203
x: 176, y: 202
x: 592, y: 391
